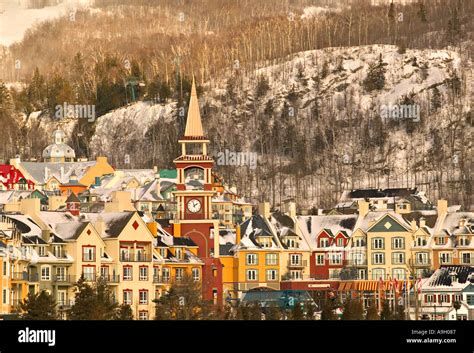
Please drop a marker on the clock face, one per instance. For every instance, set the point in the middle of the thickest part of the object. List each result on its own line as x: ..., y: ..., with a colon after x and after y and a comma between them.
x: 194, y: 205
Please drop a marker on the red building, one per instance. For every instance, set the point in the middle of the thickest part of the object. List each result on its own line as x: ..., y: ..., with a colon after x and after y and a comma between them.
x: 329, y: 258
x: 193, y: 197
x: 12, y: 179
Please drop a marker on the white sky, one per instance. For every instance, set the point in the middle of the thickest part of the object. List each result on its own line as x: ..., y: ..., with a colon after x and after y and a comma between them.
x: 16, y: 18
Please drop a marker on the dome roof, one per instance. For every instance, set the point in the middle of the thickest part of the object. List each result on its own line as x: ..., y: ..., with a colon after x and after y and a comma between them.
x: 59, y: 149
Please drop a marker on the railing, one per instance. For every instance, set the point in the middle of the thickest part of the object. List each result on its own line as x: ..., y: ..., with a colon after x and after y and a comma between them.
x: 111, y: 278
x: 64, y: 304
x: 135, y: 257
x: 301, y: 263
x: 356, y: 262
x: 20, y: 276
x: 65, y: 279
x: 33, y: 277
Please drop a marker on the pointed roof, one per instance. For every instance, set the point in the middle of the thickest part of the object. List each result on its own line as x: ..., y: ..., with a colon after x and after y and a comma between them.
x: 193, y: 122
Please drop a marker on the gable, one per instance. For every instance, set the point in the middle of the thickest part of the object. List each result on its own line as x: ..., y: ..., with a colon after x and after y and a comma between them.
x: 387, y: 224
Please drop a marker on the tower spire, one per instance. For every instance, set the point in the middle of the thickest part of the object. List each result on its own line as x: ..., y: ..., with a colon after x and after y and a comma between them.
x: 193, y: 121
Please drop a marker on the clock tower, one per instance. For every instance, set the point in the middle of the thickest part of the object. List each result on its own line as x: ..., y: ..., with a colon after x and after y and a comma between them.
x: 193, y: 197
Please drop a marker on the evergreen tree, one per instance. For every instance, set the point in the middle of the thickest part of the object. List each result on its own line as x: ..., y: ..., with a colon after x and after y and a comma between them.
x: 391, y: 12
x: 93, y: 302
x: 327, y: 312
x: 124, y: 312
x: 375, y: 79
x: 39, y: 306
x: 422, y: 11
x: 386, y: 313
x: 399, y: 313
x: 262, y: 86
x: 372, y: 312
x: 297, y: 312
x: 352, y: 310
x: 272, y: 312
x: 435, y: 102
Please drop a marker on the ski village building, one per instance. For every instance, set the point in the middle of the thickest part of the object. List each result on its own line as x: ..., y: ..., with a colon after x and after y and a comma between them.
x: 144, y: 230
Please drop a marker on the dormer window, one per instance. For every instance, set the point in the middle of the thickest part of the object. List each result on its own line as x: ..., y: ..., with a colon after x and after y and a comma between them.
x: 179, y: 253
x: 464, y: 241
x: 420, y: 241
x: 41, y: 251
x: 324, y: 243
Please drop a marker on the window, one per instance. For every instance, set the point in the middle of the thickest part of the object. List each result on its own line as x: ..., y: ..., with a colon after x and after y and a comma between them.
x: 252, y: 275
x: 272, y: 275
x: 4, y: 296
x: 398, y: 258
x: 399, y: 273
x: 271, y: 259
x: 335, y: 259
x: 127, y: 273
x: 88, y: 253
x: 324, y: 242
x: 441, y: 240
x: 124, y: 254
x: 179, y: 253
x: 445, y: 258
x: 422, y: 258
x: 5, y: 264
x: 61, y: 273
x: 179, y: 274
x: 398, y: 243
x: 320, y: 259
x: 334, y: 273
x: 143, y: 296
x: 457, y: 298
x: 143, y: 315
x: 378, y: 273
x: 444, y: 298
x: 104, y: 272
x: 466, y: 258
x: 470, y: 299
x: 464, y: 241
x: 359, y: 242
x: 378, y: 258
x: 429, y: 298
x: 57, y: 251
x: 88, y: 273
x: 41, y: 250
x: 61, y: 297
x: 377, y: 243
x: 143, y: 275
x: 295, y: 274
x: 252, y: 259
x: 166, y: 274
x: 196, y: 274
x: 127, y: 296
x: 295, y: 259
x: 45, y: 273
x: 340, y: 242
x: 420, y: 241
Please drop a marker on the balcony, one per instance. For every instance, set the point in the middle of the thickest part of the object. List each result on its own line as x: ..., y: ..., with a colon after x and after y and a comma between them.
x: 297, y: 264
x: 65, y: 304
x: 356, y: 263
x: 20, y: 276
x: 130, y: 257
x: 64, y: 279
x: 111, y: 279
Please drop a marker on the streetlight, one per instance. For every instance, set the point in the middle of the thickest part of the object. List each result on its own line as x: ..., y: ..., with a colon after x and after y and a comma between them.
x: 435, y: 311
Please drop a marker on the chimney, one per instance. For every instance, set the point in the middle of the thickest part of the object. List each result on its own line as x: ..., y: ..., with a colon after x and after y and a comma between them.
x: 442, y: 207
x: 413, y: 225
x: 158, y: 184
x: 62, y: 174
x: 45, y: 235
x: 264, y: 209
x: 30, y: 206
x: 422, y: 222
x: 99, y: 226
x: 291, y: 209
x: 237, y: 234
x: 363, y: 208
x: 462, y: 222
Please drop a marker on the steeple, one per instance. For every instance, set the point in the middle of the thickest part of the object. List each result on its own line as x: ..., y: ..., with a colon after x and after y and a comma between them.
x: 193, y: 121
